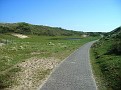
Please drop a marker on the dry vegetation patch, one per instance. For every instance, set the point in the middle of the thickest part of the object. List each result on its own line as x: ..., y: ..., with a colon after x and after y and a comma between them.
x: 34, y: 72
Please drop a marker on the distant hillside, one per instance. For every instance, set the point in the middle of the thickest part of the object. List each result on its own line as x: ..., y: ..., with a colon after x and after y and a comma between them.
x: 107, y: 59
x: 26, y: 28
x: 115, y: 31
x: 115, y: 34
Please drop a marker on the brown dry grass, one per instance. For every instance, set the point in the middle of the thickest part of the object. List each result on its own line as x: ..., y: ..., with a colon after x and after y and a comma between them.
x: 34, y: 72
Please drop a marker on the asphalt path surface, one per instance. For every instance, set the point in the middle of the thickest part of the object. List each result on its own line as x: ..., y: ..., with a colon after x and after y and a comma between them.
x: 74, y: 73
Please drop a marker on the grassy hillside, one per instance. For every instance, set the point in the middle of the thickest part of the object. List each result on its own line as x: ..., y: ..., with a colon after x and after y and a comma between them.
x: 106, y: 60
x: 26, y: 28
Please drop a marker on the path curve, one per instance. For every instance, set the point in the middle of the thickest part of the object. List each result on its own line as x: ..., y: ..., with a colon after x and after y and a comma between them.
x: 74, y: 73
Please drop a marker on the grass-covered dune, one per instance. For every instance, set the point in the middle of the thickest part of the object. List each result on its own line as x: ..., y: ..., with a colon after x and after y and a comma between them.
x: 26, y: 28
x: 30, y: 29
x: 106, y: 60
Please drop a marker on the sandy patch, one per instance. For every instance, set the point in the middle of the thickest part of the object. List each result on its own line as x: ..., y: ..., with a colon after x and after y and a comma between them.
x: 20, y: 35
x: 31, y: 68
x: 84, y: 35
x: 1, y: 44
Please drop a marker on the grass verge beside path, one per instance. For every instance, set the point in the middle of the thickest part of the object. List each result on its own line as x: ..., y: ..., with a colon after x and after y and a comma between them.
x: 106, y: 67
x: 98, y: 75
x: 17, y: 51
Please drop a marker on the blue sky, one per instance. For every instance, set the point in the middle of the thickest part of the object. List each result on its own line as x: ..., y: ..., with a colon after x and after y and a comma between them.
x: 79, y: 15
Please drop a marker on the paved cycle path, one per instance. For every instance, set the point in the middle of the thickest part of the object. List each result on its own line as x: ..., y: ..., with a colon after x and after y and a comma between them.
x: 74, y: 73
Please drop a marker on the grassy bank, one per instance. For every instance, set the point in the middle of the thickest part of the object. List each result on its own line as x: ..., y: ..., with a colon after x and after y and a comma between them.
x: 17, y: 50
x: 106, y: 67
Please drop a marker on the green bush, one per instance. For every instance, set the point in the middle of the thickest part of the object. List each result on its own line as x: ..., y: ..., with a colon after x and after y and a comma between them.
x: 115, y: 48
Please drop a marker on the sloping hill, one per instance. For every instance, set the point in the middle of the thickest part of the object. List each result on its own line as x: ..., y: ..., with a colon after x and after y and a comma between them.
x: 116, y: 31
x: 26, y: 28
x: 107, y: 60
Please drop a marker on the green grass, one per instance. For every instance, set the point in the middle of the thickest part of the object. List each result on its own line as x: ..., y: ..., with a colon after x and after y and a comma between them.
x: 97, y: 73
x: 18, y: 50
x: 106, y: 67
x: 8, y: 78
